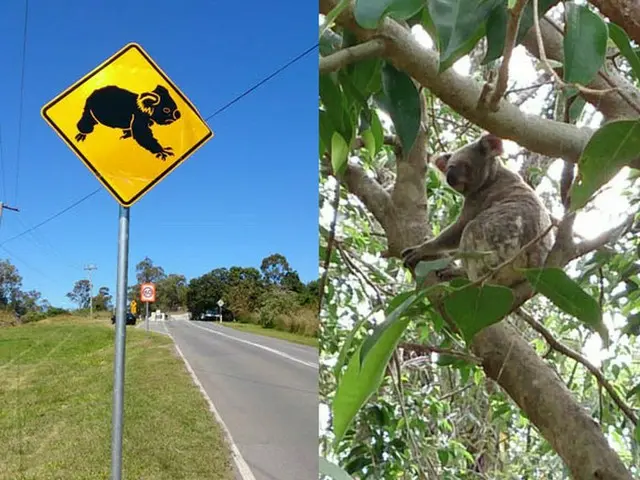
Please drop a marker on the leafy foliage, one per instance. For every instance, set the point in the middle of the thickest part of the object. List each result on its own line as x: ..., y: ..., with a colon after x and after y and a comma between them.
x: 437, y: 411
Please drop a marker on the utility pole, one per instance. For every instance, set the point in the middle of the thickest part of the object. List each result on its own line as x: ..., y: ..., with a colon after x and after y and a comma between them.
x: 6, y: 207
x: 90, y: 268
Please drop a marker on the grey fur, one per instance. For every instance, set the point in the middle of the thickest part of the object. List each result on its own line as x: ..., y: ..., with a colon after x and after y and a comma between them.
x: 500, y: 215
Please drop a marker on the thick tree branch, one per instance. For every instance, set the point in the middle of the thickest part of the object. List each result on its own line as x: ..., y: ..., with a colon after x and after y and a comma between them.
x: 461, y: 93
x: 509, y: 44
x: 626, y: 13
x: 349, y: 55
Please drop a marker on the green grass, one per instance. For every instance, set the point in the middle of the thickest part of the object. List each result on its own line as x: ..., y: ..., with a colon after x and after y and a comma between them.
x: 56, y: 382
x: 272, y: 332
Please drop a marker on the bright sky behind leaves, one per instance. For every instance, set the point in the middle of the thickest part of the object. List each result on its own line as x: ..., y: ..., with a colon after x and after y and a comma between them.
x: 249, y: 192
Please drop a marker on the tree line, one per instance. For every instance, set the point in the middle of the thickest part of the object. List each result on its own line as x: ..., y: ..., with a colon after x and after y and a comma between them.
x: 272, y: 296
x: 18, y: 305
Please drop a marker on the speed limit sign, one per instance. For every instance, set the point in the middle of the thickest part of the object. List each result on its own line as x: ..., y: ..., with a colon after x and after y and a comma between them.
x: 147, y: 292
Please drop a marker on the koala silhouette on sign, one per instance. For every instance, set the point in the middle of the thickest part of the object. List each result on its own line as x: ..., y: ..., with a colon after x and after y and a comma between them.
x: 134, y: 113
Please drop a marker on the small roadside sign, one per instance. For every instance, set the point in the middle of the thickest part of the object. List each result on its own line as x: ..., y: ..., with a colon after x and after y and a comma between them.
x: 147, y: 293
x: 220, y: 303
x: 128, y: 123
x: 134, y: 307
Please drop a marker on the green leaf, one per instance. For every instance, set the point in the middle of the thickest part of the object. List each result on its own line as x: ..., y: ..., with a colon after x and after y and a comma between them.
x: 459, y: 24
x: 424, y: 268
x: 377, y: 130
x: 381, y: 328
x: 585, y: 44
x: 497, y: 26
x: 365, y: 75
x: 634, y: 391
x: 368, y: 13
x: 346, y: 345
x: 361, y: 379
x: 369, y: 142
x: 576, y: 108
x: 636, y: 433
x: 568, y: 296
x: 332, y: 470
x: 325, y: 129
x: 402, y: 102
x: 473, y: 308
x: 339, y: 153
x: 621, y: 39
x: 610, y: 148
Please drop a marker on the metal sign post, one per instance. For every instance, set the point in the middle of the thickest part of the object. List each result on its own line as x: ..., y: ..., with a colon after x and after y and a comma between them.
x: 120, y: 343
x: 147, y: 315
x: 129, y: 162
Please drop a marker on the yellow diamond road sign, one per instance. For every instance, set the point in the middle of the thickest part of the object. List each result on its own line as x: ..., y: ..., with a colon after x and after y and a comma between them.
x: 128, y: 122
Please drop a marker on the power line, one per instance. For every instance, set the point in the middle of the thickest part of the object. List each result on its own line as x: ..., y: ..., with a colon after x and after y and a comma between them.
x: 52, y: 217
x: 220, y: 110
x: 261, y: 82
x: 24, y: 52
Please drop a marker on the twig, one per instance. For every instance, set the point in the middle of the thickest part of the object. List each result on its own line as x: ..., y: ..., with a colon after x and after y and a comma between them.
x: 509, y: 44
x: 547, y: 65
x: 560, y: 347
x: 412, y: 440
x: 424, y: 350
x: 601, y: 240
x: 330, y: 241
x: 523, y: 89
x: 349, y: 55
x: 361, y: 275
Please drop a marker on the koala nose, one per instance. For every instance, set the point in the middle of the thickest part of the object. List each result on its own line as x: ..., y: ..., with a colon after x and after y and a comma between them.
x: 176, y: 114
x: 451, y: 177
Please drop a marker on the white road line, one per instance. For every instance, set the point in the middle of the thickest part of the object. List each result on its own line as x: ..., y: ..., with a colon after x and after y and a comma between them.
x: 257, y: 345
x: 243, y: 469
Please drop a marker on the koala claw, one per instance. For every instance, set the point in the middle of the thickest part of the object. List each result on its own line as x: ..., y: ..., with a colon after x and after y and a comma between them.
x: 80, y: 137
x: 166, y: 152
x: 411, y: 256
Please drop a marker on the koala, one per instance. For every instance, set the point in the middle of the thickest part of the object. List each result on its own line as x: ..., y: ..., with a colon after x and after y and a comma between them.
x: 134, y: 113
x: 500, y: 214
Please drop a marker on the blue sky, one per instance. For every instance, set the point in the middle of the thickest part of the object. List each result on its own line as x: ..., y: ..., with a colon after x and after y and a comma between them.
x: 251, y: 191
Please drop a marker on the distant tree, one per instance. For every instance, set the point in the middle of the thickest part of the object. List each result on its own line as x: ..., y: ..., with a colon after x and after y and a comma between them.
x: 204, y: 292
x: 146, y: 272
x: 10, y: 284
x: 28, y: 302
x: 102, y: 301
x: 81, y: 293
x: 171, y: 292
x: 291, y: 281
x: 274, y: 268
x: 310, y: 294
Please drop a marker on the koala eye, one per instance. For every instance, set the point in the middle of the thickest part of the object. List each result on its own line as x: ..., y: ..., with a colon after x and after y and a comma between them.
x: 166, y: 110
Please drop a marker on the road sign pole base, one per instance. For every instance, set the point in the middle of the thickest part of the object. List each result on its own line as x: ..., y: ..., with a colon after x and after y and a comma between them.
x: 120, y: 343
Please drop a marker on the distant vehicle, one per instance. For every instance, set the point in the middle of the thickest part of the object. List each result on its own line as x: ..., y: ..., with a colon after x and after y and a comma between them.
x: 208, y: 315
x: 131, y: 319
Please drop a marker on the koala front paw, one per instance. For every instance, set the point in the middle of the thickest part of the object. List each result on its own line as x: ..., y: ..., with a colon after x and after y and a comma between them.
x: 166, y: 152
x: 411, y: 256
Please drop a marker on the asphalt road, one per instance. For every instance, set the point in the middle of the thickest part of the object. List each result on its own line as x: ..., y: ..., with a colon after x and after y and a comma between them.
x: 265, y: 390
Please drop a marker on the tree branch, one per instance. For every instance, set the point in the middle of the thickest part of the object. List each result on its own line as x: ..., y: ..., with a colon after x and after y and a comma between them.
x: 560, y: 347
x: 509, y: 44
x: 344, y: 57
x: 537, y: 134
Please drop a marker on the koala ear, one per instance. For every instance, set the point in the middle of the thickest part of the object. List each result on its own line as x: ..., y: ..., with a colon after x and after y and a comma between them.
x: 441, y: 161
x: 146, y: 101
x: 161, y: 89
x: 491, y: 144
